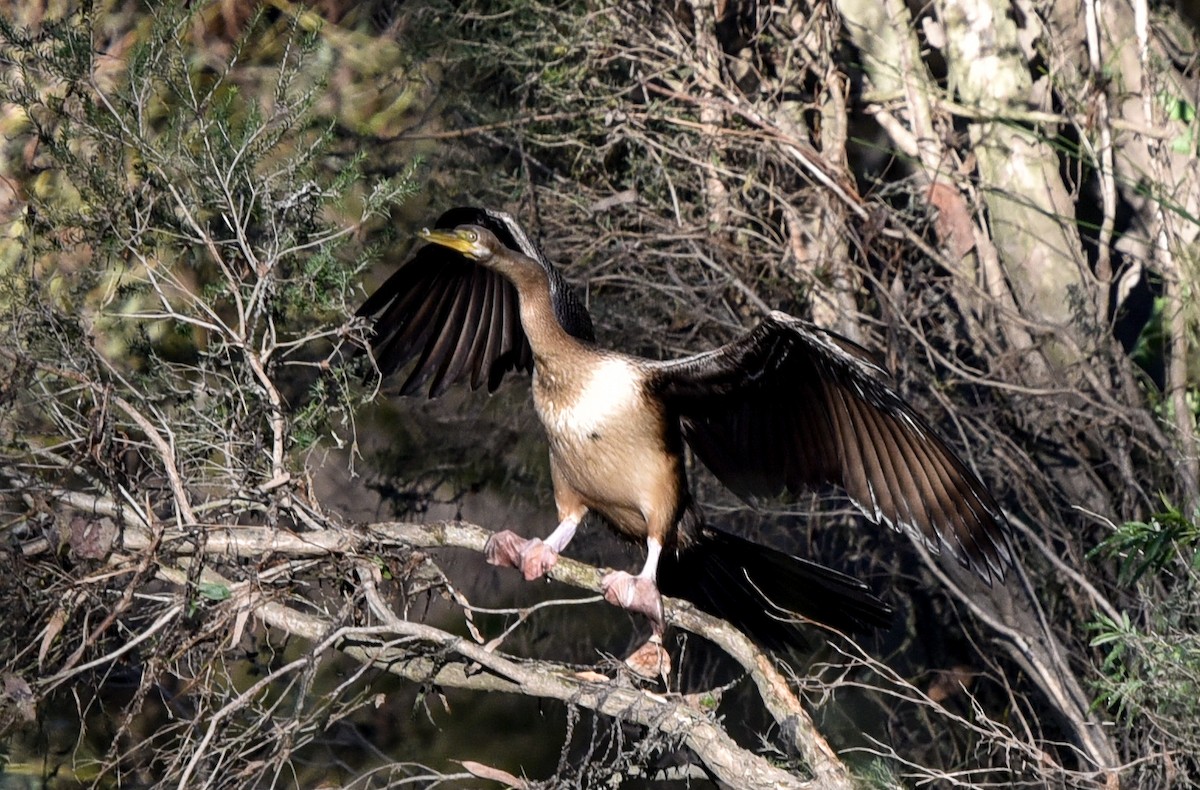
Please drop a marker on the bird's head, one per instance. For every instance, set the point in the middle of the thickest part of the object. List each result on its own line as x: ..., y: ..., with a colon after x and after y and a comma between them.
x: 472, y: 241
x: 481, y: 245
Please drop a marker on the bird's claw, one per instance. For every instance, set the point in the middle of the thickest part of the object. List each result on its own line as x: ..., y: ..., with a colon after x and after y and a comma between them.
x: 651, y: 660
x: 636, y: 594
x: 507, y: 549
x: 537, y: 558
x: 503, y: 549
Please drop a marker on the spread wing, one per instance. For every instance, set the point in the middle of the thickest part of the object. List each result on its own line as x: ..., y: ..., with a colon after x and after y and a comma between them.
x: 790, y: 405
x: 457, y: 319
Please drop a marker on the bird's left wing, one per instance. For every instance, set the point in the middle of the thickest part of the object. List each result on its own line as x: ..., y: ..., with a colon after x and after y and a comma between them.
x: 790, y: 405
x: 457, y: 319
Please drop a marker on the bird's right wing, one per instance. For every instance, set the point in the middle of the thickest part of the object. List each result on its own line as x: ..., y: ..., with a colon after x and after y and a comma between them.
x: 790, y: 405
x: 457, y: 319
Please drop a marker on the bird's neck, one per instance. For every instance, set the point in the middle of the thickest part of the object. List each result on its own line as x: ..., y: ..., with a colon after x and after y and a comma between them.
x: 551, y: 343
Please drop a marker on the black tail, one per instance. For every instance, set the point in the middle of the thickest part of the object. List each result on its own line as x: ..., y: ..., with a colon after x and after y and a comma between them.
x: 760, y: 590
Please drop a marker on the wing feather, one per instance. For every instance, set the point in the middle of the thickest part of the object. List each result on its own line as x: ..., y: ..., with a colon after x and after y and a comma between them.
x: 789, y: 405
x: 454, y: 334
x: 477, y: 357
x: 460, y: 321
x: 459, y: 357
x: 428, y: 322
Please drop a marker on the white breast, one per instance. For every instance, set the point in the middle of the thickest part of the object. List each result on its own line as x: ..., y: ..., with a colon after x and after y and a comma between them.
x: 612, y: 390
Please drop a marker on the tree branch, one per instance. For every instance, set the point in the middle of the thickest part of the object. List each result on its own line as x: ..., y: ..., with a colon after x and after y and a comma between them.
x: 666, y: 713
x: 784, y: 706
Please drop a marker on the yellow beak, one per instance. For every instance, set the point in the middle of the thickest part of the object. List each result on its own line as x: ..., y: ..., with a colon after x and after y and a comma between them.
x: 454, y: 239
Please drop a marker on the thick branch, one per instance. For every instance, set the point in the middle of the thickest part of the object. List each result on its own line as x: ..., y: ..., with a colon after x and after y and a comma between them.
x: 728, y: 761
x: 780, y: 701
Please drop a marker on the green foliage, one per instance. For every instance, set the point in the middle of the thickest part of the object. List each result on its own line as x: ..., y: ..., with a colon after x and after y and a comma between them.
x: 189, y: 242
x: 1150, y: 672
x: 1167, y: 538
x: 1149, y: 352
x: 180, y: 250
x: 1180, y: 109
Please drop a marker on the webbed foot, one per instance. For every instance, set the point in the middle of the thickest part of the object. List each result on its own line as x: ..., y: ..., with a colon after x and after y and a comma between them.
x: 503, y: 549
x: 507, y: 549
x: 537, y: 558
x: 636, y: 594
x: 651, y: 660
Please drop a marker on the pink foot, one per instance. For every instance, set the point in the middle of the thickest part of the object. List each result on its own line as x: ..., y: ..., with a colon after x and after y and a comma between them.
x: 537, y: 559
x: 635, y: 593
x: 507, y: 549
x: 504, y: 549
x: 651, y: 660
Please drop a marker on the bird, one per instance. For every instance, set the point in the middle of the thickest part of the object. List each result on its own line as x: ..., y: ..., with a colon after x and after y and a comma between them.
x: 785, y: 406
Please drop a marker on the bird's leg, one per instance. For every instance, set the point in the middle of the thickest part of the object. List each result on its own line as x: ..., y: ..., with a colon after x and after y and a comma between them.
x: 534, y: 557
x: 640, y: 594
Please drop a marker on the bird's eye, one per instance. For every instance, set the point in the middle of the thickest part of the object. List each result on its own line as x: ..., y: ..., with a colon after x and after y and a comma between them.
x: 472, y: 236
